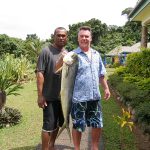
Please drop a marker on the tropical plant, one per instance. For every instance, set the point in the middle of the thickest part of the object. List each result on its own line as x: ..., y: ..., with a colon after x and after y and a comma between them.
x: 33, y: 48
x: 124, y: 121
x: 13, y: 70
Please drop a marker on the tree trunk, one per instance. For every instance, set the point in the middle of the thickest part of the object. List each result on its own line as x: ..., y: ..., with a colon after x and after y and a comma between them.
x: 2, y: 99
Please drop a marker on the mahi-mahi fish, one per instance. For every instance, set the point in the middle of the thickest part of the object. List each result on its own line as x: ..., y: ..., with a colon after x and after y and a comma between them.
x: 69, y: 70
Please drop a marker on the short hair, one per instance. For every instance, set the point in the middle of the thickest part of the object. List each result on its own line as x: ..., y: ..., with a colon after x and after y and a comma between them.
x: 86, y: 28
x: 59, y: 28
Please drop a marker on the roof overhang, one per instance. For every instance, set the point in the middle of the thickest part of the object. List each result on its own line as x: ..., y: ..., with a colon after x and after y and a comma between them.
x: 141, y: 12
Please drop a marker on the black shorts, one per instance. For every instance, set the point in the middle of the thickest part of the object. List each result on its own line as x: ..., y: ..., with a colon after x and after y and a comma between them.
x: 52, y: 116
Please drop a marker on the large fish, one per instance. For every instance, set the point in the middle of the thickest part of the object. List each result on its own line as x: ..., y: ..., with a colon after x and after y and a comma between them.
x: 69, y: 70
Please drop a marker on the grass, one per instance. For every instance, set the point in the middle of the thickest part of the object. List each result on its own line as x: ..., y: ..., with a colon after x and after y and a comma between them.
x: 111, y: 130
x: 26, y: 135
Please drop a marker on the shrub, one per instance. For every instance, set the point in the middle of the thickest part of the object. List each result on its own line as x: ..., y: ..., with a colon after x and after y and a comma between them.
x: 120, y: 70
x: 144, y: 84
x: 115, y: 79
x: 9, y: 117
x: 18, y: 68
x: 133, y: 84
x: 138, y: 63
x: 142, y: 116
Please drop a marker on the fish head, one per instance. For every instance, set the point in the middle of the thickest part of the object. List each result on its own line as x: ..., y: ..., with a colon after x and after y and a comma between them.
x: 70, y: 58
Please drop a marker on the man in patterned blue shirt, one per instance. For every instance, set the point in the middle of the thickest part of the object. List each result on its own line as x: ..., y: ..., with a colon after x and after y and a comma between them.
x: 86, y: 108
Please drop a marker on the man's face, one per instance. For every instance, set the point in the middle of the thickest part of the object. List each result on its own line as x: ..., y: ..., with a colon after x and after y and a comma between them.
x: 60, y: 38
x: 84, y: 38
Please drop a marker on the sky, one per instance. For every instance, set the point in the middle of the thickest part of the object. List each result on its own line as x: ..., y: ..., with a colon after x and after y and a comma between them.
x: 21, y: 17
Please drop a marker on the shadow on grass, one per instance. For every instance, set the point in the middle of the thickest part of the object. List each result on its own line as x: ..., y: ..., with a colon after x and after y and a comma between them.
x: 38, y: 147
x: 64, y: 147
x: 24, y: 148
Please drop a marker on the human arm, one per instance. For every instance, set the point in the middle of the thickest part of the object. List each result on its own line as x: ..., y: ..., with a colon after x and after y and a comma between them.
x: 40, y: 81
x: 103, y: 81
x: 105, y: 87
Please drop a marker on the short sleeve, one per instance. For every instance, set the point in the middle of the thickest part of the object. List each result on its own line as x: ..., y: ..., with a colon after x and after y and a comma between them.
x: 102, y: 69
x: 42, y: 61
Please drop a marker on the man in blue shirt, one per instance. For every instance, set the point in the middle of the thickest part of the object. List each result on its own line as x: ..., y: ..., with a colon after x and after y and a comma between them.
x: 86, y: 108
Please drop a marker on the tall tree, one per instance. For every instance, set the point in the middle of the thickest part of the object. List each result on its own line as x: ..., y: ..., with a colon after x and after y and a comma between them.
x: 127, y: 11
x: 99, y: 31
x: 11, y: 45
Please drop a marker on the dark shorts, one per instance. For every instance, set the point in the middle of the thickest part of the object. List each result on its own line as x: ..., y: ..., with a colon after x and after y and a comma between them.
x: 86, y: 114
x: 52, y: 116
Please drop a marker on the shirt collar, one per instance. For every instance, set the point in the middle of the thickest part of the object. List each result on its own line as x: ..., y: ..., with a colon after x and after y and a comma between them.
x: 78, y: 50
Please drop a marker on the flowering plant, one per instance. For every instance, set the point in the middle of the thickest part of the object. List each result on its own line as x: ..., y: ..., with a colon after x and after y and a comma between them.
x: 125, y: 120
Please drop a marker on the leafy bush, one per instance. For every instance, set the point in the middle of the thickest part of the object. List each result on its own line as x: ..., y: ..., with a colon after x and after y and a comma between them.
x: 132, y: 83
x: 116, y: 64
x: 11, y: 45
x: 8, y: 79
x: 142, y: 116
x: 127, y: 86
x: 9, y: 117
x: 120, y: 70
x: 144, y: 84
x: 16, y: 68
x: 130, y: 78
x: 138, y: 64
x: 13, y: 71
x: 115, y: 80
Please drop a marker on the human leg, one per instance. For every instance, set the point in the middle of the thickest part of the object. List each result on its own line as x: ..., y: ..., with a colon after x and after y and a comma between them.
x: 94, y: 120
x: 51, y: 122
x: 76, y: 136
x: 78, y: 120
x: 52, y: 139
x: 48, y: 139
x: 96, y: 132
x: 45, y: 140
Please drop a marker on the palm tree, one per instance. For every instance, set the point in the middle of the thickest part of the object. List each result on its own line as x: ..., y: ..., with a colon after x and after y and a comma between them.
x: 33, y: 47
x: 127, y: 11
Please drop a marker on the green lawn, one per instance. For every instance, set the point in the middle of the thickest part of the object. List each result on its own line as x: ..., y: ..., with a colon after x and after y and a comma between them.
x: 26, y: 135
x: 111, y: 130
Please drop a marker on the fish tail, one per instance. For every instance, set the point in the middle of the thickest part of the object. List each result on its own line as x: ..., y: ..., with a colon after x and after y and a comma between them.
x: 69, y: 133
x: 61, y: 129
